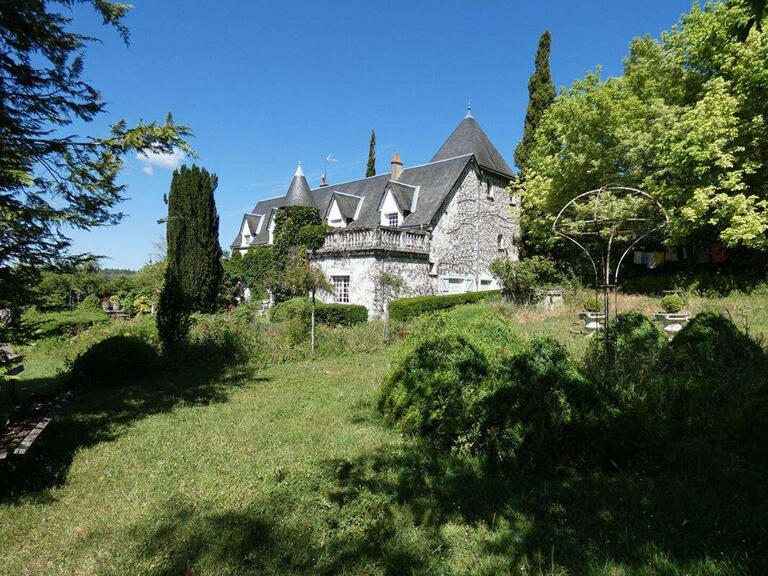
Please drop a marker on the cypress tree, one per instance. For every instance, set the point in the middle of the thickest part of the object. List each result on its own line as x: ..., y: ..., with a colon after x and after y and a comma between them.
x: 371, y: 168
x: 193, y: 237
x: 541, y: 94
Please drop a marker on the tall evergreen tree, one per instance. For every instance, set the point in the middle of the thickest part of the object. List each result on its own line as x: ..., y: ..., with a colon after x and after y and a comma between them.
x: 193, y: 237
x: 371, y: 168
x: 541, y: 94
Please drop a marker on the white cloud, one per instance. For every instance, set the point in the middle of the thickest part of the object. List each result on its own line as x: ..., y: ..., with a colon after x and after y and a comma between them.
x: 166, y: 161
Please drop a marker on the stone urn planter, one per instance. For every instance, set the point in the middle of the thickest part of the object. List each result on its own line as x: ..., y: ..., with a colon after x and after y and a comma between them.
x: 673, y: 318
x: 593, y: 321
x: 552, y: 299
x: 672, y: 322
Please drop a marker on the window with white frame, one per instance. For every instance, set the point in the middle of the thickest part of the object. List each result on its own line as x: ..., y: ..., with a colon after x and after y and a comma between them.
x: 489, y: 190
x: 501, y: 243
x: 393, y: 220
x: 247, y: 238
x: 340, y: 289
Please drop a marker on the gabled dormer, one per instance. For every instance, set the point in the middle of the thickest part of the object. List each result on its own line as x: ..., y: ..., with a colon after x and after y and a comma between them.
x: 249, y: 229
x: 398, y: 201
x: 343, y: 209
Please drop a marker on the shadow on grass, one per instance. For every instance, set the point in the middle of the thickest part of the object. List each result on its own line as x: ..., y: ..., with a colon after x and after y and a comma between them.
x: 411, y: 510
x: 100, y: 414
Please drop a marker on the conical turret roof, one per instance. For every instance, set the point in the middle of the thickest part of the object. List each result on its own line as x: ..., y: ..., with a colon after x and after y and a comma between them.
x: 469, y: 138
x: 299, y: 193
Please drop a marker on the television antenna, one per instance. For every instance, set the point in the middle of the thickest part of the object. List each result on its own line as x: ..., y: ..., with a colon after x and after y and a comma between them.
x: 328, y: 160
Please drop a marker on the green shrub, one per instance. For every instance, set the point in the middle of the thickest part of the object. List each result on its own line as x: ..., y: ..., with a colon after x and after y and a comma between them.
x: 288, y: 309
x: 531, y: 410
x: 591, y: 304
x: 226, y: 337
x: 407, y: 308
x: 341, y: 314
x: 118, y: 360
x: 632, y: 358
x: 431, y: 385
x: 522, y: 280
x: 713, y: 398
x: 332, y: 314
x: 65, y: 323
x: 672, y: 304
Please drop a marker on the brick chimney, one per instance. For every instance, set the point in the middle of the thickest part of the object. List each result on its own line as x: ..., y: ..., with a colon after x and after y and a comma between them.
x: 397, y: 167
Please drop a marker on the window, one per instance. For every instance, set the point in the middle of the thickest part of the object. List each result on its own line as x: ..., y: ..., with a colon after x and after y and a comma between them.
x: 337, y: 223
x: 489, y: 191
x: 340, y: 289
x: 247, y: 238
x: 501, y: 243
x: 393, y: 220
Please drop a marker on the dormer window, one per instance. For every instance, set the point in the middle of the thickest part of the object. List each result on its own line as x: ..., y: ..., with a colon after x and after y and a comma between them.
x: 247, y: 238
x: 393, y: 219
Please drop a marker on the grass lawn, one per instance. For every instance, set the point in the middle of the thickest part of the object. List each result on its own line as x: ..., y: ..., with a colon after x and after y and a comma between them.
x: 289, y: 470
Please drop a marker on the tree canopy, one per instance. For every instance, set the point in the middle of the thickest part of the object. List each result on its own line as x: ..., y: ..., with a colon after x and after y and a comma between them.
x: 52, y: 178
x: 685, y: 122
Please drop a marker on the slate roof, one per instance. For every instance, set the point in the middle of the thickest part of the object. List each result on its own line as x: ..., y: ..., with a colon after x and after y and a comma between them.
x: 403, y: 194
x: 469, y: 138
x: 298, y: 192
x: 348, y: 204
x: 434, y: 182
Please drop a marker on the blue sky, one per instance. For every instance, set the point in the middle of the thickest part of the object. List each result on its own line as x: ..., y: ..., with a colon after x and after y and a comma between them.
x: 264, y: 85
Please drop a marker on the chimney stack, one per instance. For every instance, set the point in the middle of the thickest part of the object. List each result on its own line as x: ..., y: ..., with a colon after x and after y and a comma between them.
x: 397, y: 167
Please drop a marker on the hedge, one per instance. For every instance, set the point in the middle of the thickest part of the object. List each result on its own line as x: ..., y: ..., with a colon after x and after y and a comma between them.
x: 407, y: 308
x: 333, y: 314
x: 341, y: 314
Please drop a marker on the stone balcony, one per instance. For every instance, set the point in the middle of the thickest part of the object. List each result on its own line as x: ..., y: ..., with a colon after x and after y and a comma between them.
x: 376, y: 238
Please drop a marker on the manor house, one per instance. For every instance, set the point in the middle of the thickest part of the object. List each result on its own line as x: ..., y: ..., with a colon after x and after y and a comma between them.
x: 436, y: 226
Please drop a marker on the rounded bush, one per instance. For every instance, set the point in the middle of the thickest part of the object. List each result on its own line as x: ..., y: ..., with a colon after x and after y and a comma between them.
x: 672, y: 304
x: 115, y: 361
x: 431, y: 385
x: 289, y: 309
x: 637, y: 346
x: 712, y: 347
x: 528, y: 412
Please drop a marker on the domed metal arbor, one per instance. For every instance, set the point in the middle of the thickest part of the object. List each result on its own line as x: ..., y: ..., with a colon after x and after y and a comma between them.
x: 606, y: 224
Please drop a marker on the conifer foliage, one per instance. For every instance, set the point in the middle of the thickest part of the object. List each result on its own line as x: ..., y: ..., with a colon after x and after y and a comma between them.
x: 541, y: 94
x: 371, y: 168
x: 193, y: 264
x: 193, y: 231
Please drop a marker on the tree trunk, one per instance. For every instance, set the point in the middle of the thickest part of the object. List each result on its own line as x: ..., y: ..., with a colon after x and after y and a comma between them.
x: 313, y: 321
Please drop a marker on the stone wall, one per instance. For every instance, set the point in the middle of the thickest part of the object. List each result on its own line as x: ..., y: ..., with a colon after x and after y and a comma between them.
x: 364, y: 269
x: 454, y: 239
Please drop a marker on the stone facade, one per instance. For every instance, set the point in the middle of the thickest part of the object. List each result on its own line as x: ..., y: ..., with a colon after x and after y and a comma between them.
x: 465, y: 240
x: 476, y: 226
x: 364, y: 270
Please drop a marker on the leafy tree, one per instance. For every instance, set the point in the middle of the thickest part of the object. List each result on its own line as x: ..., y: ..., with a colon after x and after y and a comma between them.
x: 521, y: 280
x: 50, y: 178
x: 370, y: 170
x: 193, y: 227
x: 686, y: 122
x: 541, y: 94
